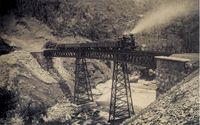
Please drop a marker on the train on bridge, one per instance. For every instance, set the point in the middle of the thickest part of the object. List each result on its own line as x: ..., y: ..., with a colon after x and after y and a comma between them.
x: 127, y: 42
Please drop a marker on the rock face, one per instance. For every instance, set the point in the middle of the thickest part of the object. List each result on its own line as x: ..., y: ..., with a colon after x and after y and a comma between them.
x: 34, y: 87
x: 177, y: 106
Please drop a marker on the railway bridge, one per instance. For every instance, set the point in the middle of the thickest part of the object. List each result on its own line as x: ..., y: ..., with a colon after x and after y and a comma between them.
x: 121, y: 103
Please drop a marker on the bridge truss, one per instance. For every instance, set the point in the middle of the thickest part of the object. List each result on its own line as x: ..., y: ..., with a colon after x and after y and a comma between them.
x: 121, y: 103
x: 82, y: 89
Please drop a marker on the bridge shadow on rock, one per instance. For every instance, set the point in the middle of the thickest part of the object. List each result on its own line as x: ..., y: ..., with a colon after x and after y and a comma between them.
x: 5, y: 48
x: 8, y: 101
x: 65, y: 89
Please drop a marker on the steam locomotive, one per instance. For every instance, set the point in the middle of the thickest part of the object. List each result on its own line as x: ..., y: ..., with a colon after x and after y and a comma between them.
x: 127, y: 42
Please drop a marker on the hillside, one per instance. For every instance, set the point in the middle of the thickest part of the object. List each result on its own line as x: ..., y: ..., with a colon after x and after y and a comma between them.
x: 177, y: 106
x: 36, y: 89
x: 111, y: 18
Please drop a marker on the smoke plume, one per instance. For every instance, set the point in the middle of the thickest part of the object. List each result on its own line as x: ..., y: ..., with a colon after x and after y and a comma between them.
x: 164, y: 14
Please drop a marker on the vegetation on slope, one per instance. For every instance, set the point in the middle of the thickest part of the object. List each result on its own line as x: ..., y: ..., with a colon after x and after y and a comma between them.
x: 110, y: 18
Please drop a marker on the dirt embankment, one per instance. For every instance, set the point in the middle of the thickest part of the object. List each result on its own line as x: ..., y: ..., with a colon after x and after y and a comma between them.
x: 177, y: 106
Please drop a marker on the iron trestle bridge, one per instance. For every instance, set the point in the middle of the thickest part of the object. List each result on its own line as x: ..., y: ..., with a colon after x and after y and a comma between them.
x: 121, y: 103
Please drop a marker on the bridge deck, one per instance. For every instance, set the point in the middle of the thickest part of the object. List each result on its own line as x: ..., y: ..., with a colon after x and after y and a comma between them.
x: 142, y: 58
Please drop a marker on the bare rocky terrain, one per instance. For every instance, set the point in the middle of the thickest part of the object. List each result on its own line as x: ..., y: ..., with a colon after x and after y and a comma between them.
x: 179, y: 105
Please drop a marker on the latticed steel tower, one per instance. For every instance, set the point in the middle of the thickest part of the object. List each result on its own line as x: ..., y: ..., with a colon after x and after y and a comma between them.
x: 82, y: 89
x: 121, y: 104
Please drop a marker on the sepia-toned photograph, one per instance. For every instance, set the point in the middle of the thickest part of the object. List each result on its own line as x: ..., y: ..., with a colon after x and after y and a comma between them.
x: 99, y: 62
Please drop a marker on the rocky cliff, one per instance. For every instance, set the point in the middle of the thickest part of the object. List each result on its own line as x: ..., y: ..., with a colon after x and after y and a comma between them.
x: 179, y: 105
